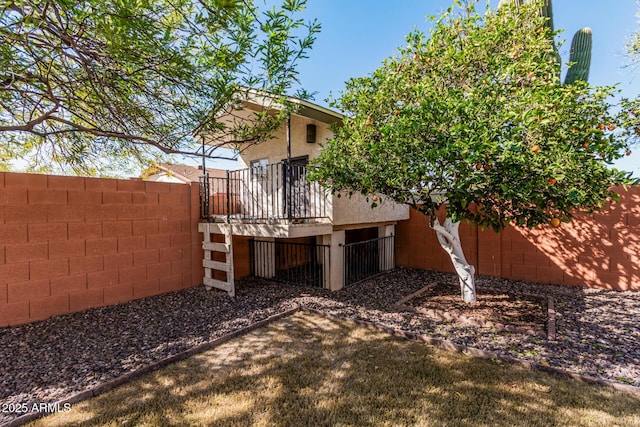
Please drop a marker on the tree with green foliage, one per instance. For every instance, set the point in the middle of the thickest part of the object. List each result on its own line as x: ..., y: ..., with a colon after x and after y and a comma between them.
x: 85, y: 83
x: 475, y: 117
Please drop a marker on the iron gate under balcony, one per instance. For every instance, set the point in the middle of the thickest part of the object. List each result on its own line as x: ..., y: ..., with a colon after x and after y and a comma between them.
x: 274, y: 192
x: 306, y: 264
x: 363, y: 260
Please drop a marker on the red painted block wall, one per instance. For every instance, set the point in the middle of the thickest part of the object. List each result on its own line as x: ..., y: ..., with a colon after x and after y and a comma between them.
x: 72, y: 243
x: 599, y: 251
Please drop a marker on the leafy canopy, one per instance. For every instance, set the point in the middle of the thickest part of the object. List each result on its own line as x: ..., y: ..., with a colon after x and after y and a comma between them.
x: 81, y: 81
x: 476, y: 114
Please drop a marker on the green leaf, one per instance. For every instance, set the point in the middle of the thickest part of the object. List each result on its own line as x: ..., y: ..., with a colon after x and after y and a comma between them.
x: 93, y: 84
x: 481, y: 117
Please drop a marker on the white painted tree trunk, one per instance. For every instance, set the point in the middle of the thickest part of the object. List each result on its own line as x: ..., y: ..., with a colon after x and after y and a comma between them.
x: 449, y: 238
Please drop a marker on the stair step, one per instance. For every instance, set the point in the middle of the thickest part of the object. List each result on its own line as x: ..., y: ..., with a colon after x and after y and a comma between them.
x: 217, y: 247
x: 209, y: 227
x: 216, y: 265
x: 218, y: 284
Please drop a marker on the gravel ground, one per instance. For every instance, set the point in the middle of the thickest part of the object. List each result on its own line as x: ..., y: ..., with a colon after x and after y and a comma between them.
x: 598, y: 332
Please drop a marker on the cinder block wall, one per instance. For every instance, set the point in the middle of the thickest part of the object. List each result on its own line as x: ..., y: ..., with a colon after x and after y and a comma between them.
x: 600, y: 250
x: 71, y: 243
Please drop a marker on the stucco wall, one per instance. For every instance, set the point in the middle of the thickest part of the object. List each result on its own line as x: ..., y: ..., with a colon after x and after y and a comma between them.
x: 343, y: 210
x: 275, y: 149
x: 599, y: 250
x: 357, y: 210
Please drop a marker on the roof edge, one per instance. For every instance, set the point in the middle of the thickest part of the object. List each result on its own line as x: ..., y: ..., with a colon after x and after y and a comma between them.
x: 322, y: 113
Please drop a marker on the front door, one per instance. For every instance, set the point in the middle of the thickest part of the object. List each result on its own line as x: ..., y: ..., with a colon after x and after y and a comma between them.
x: 296, y: 189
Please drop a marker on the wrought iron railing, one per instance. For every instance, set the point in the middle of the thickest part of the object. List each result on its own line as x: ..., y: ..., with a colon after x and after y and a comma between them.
x: 306, y: 264
x: 278, y: 191
x: 363, y: 260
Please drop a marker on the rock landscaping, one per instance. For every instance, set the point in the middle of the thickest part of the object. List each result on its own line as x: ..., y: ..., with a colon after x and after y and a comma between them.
x: 597, y: 333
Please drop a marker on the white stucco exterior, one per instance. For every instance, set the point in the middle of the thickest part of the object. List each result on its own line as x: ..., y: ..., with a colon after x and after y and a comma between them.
x: 275, y: 149
x: 261, y: 194
x: 357, y: 210
x: 341, y: 210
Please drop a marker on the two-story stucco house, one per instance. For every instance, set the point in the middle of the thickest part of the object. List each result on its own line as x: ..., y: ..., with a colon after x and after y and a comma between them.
x: 299, y: 232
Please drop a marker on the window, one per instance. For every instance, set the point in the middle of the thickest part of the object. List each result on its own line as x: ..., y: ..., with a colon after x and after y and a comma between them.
x: 259, y: 168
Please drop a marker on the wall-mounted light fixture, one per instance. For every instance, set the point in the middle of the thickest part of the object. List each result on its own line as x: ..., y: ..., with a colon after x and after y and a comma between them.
x: 311, y: 134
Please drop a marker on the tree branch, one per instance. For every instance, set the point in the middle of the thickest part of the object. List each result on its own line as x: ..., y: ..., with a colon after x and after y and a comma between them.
x: 29, y: 126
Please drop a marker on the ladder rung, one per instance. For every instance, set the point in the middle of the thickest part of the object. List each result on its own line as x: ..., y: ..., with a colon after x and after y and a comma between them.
x: 216, y: 265
x: 218, y: 247
x: 218, y: 284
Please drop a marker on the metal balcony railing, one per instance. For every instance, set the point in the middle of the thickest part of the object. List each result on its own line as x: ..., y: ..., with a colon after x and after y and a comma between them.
x: 274, y: 192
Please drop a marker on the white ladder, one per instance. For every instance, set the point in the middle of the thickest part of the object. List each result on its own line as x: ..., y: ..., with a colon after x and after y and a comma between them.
x: 210, y: 265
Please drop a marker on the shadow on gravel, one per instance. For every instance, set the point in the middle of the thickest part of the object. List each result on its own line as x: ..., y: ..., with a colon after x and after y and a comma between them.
x: 308, y: 370
x: 47, y: 361
x: 597, y: 335
x: 595, y: 257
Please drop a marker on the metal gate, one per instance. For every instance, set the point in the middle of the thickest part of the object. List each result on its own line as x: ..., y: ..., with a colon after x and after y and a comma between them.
x: 304, y: 264
x: 368, y: 258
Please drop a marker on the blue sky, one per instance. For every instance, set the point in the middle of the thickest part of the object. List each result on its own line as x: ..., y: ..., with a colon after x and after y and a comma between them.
x: 357, y: 35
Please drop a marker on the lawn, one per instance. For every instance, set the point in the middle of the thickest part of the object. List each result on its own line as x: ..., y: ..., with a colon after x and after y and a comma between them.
x: 306, y: 370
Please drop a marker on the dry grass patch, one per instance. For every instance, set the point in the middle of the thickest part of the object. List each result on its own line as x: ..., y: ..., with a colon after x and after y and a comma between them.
x: 308, y: 370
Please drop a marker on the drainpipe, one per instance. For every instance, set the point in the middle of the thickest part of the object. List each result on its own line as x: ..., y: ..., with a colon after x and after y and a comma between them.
x: 204, y: 163
x: 288, y: 139
x: 288, y: 166
x: 205, y: 211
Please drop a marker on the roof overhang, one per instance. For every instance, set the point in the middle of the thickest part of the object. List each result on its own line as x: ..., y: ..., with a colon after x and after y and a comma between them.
x: 258, y: 100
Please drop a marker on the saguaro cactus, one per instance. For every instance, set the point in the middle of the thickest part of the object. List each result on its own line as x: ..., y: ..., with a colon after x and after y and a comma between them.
x: 580, y: 55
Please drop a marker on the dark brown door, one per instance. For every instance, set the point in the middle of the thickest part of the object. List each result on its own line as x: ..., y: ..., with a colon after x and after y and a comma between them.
x: 296, y: 190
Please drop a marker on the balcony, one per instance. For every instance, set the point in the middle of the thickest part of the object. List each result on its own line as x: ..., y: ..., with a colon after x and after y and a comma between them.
x: 266, y: 194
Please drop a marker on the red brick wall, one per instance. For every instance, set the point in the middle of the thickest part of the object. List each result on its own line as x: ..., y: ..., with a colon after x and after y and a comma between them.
x: 71, y: 243
x: 600, y: 250
x: 241, y: 261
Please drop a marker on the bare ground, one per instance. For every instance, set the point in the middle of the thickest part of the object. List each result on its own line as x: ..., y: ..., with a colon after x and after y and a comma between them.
x: 494, y: 307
